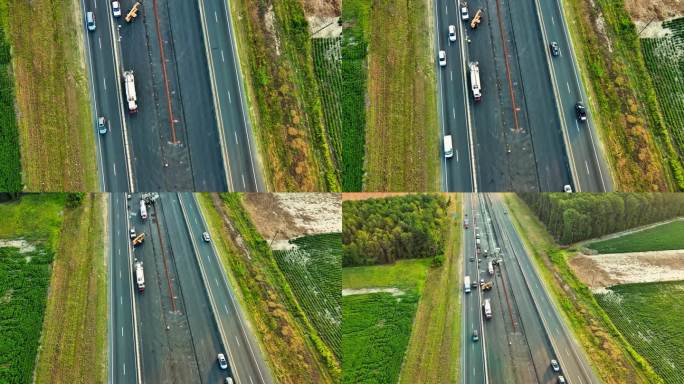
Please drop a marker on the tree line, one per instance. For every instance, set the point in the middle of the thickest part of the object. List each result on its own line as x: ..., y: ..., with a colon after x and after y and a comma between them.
x: 572, y: 217
x: 381, y: 231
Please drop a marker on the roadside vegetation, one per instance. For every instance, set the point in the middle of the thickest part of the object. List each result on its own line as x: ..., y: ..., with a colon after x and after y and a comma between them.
x: 10, y: 165
x: 284, y: 100
x: 74, y: 338
x: 380, y: 231
x: 401, y: 311
x: 402, y: 138
x: 659, y: 238
x: 313, y: 270
x: 649, y: 316
x: 32, y: 223
x: 328, y: 70
x: 613, y: 358
x: 641, y: 149
x: 572, y: 217
x: 56, y: 128
x: 295, y: 350
x: 665, y: 63
x: 355, y: 22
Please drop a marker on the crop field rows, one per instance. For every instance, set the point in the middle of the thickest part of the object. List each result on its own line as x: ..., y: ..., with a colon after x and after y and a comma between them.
x: 328, y: 70
x: 658, y: 238
x: 376, y: 329
x: 10, y: 169
x: 313, y: 270
x: 648, y: 315
x: 665, y: 62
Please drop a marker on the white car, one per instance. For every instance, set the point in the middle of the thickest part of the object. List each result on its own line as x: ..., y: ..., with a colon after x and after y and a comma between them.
x: 452, y: 33
x: 442, y: 58
x: 205, y: 237
x: 567, y: 188
x: 222, y: 361
x: 116, y: 9
x: 464, y: 13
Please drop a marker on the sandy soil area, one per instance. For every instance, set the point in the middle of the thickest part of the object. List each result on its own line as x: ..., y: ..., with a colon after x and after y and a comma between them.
x: 23, y: 245
x: 369, y: 195
x: 291, y: 215
x: 647, y: 10
x: 600, y: 271
x: 363, y: 291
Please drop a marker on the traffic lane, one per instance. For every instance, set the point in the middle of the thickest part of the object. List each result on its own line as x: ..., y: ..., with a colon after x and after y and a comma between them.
x: 205, y: 336
x: 244, y: 173
x: 544, y: 122
x: 122, y: 337
x: 458, y: 170
x: 473, y: 355
x: 103, y: 76
x: 248, y: 361
x: 194, y: 89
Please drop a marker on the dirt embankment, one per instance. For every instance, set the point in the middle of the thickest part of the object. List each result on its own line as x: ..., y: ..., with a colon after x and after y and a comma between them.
x: 601, y: 271
x: 290, y: 215
x: 660, y: 10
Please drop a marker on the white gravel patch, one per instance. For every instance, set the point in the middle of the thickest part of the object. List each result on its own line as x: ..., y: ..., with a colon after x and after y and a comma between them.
x: 23, y: 245
x: 364, y: 291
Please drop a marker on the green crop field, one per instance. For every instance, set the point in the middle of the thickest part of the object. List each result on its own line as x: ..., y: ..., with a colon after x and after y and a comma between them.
x: 376, y: 329
x: 662, y: 237
x: 408, y: 273
x: 649, y: 316
x: 10, y: 164
x: 328, y: 71
x: 665, y: 62
x: 313, y: 270
x: 355, y: 15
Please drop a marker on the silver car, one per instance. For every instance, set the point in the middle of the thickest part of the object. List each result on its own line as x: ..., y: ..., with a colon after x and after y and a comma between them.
x: 90, y: 21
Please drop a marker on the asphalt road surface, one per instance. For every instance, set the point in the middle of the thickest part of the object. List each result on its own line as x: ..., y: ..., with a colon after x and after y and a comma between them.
x: 190, y: 131
x: 515, y: 137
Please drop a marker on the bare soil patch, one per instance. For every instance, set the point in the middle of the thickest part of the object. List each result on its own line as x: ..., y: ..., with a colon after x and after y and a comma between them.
x: 369, y: 195
x: 364, y: 291
x: 600, y: 271
x: 660, y: 10
x: 291, y: 215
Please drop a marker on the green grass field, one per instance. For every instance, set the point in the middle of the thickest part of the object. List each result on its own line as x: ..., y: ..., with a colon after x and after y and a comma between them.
x: 355, y: 14
x: 376, y: 330
x: 35, y: 217
x: 10, y: 163
x: 328, y: 71
x: 650, y: 317
x: 404, y: 274
x: 662, y: 237
x: 313, y: 270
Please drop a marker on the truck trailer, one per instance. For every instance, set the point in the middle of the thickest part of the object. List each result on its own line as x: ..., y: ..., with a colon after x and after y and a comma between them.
x: 131, y: 97
x: 490, y: 268
x: 466, y: 284
x: 143, y: 210
x: 139, y: 276
x: 475, y: 80
x: 487, y: 308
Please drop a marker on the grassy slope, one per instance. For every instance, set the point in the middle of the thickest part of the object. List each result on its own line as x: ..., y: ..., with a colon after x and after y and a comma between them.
x: 612, y: 358
x: 10, y: 164
x: 55, y: 122
x: 402, y: 131
x: 24, y: 285
x: 285, y: 108
x: 662, y: 237
x: 293, y: 349
x: 638, y: 310
x: 435, y: 338
x: 622, y: 96
x: 355, y: 15
x: 74, y: 340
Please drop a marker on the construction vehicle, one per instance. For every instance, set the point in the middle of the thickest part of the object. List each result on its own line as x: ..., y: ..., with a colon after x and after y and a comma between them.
x: 487, y: 308
x: 143, y: 210
x: 466, y: 284
x: 475, y: 80
x: 139, y: 276
x: 131, y: 97
x: 133, y: 13
x: 476, y: 20
x: 490, y: 268
x: 486, y: 286
x: 139, y: 239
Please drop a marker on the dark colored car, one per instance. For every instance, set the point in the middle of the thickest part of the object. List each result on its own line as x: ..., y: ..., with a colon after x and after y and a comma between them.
x: 476, y: 337
x: 555, y: 50
x: 581, y: 111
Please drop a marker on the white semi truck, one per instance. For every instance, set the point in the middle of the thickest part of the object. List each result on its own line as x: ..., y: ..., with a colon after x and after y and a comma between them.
x: 490, y: 268
x: 475, y: 80
x: 143, y: 209
x: 487, y: 308
x: 139, y: 276
x: 131, y: 97
x: 466, y: 284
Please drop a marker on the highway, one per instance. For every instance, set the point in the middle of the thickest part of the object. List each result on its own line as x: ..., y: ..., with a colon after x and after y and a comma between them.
x: 187, y: 313
x: 190, y: 131
x: 516, y: 137
x: 525, y: 331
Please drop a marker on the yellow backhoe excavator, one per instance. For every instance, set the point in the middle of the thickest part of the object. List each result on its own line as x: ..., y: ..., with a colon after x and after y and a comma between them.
x: 476, y: 20
x: 139, y: 239
x: 133, y: 13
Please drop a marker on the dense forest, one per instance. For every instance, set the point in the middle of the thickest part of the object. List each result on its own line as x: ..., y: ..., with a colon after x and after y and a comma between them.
x: 572, y: 217
x: 380, y: 231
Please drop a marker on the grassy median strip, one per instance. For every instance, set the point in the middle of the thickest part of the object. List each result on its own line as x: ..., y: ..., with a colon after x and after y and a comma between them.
x: 56, y: 128
x: 285, y: 106
x: 291, y: 344
x: 74, y: 339
x: 614, y: 360
x: 626, y: 110
x: 402, y: 139
x: 436, y: 334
